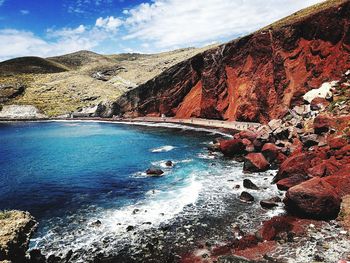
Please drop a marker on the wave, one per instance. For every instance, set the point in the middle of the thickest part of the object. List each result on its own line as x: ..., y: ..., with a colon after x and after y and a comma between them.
x: 166, y: 148
x: 114, y: 225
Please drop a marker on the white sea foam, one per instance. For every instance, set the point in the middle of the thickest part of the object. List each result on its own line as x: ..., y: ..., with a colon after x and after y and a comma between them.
x: 159, y: 207
x: 165, y: 148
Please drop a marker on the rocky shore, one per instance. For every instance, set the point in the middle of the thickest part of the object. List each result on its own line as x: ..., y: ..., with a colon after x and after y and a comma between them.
x: 310, y: 147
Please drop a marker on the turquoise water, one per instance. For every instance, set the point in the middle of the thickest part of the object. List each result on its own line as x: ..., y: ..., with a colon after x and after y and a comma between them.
x: 86, y: 185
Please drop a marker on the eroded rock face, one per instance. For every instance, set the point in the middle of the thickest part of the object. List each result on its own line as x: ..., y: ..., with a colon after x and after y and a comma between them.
x: 254, y: 78
x: 16, y: 228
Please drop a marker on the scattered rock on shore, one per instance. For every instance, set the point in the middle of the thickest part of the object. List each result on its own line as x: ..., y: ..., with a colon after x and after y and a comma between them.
x: 246, y: 197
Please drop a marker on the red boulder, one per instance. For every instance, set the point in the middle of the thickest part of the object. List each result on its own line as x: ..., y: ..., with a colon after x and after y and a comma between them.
x: 232, y: 148
x: 340, y: 183
x: 275, y: 226
x: 325, y: 168
x: 270, y: 152
x: 295, y: 164
x: 255, y: 162
x: 337, y: 142
x: 315, y: 198
x: 291, y: 181
x: 322, y: 123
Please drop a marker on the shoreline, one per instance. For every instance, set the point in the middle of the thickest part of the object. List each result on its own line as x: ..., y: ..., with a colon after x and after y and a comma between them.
x: 211, y: 126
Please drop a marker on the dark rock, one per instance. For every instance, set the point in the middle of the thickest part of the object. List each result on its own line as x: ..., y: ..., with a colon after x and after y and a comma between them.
x: 249, y: 184
x: 246, y: 197
x: 154, y: 172
x: 130, y: 228
x: 36, y: 256
x: 169, y: 163
x: 53, y: 259
x: 96, y: 223
x: 268, y: 204
x: 309, y: 140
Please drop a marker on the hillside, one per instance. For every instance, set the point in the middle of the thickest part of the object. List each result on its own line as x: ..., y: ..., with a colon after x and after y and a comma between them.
x: 254, y: 78
x: 83, y: 79
x: 30, y: 65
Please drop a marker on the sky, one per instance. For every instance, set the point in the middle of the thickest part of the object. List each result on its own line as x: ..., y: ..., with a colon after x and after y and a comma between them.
x: 55, y: 27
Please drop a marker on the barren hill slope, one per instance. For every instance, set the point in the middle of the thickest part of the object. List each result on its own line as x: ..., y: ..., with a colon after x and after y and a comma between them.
x: 30, y: 65
x: 86, y: 78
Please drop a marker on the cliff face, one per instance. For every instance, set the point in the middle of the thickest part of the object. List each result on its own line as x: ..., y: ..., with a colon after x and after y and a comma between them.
x: 254, y: 78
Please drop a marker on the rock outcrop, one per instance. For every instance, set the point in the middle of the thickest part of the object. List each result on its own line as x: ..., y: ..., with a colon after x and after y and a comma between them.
x: 254, y: 78
x: 16, y: 228
x: 20, y: 112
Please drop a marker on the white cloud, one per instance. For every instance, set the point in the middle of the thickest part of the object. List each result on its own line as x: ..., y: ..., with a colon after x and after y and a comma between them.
x: 109, y: 23
x: 24, y: 12
x: 173, y: 23
x: 15, y: 43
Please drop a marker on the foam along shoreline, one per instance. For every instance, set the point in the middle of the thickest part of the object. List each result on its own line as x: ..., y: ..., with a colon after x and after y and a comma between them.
x: 181, y: 124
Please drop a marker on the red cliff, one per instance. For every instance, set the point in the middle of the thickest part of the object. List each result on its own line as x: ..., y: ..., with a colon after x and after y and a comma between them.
x: 254, y: 78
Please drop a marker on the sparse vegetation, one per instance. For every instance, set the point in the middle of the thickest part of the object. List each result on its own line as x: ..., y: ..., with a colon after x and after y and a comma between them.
x: 5, y: 215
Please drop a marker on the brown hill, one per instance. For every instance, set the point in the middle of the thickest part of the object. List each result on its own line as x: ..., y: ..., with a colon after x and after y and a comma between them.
x: 29, y: 65
x: 254, y: 78
x: 80, y: 58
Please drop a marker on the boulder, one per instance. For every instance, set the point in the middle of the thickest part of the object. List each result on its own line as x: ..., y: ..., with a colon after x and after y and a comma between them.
x: 319, y: 103
x: 315, y: 198
x: 275, y: 226
x: 325, y: 91
x: 154, y: 172
x: 340, y: 183
x: 275, y: 124
x: 295, y: 164
x: 322, y: 123
x: 337, y: 143
x: 291, y: 181
x: 231, y: 148
x: 270, y: 152
x: 325, y: 168
x: 169, y: 163
x: 16, y: 228
x: 246, y: 197
x: 255, y: 162
x: 309, y: 140
x: 249, y: 184
x: 250, y: 135
x: 268, y: 204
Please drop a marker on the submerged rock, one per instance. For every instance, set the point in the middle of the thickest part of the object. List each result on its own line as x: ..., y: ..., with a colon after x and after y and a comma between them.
x: 154, y: 172
x: 16, y: 228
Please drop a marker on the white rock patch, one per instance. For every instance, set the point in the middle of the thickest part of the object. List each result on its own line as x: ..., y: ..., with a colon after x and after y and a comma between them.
x: 325, y: 91
x: 20, y: 112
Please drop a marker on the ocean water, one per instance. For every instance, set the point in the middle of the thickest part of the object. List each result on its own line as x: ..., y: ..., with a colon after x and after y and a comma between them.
x: 86, y: 185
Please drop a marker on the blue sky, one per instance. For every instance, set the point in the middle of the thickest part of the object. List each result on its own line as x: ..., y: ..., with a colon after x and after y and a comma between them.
x: 53, y: 27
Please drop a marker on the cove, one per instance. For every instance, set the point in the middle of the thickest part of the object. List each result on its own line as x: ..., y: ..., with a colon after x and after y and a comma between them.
x: 86, y: 185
